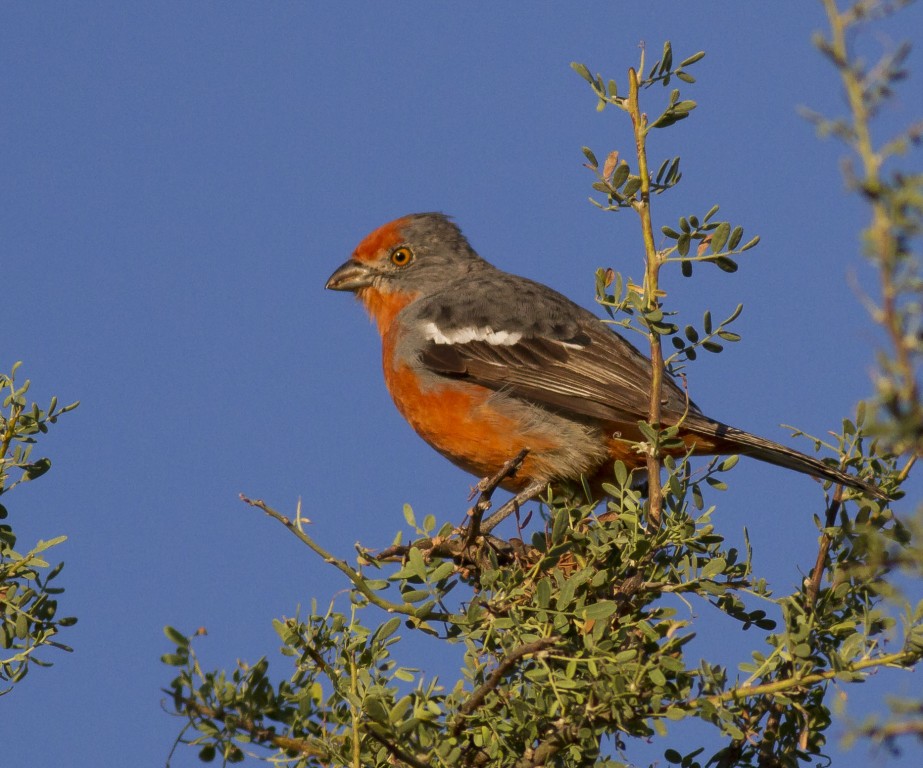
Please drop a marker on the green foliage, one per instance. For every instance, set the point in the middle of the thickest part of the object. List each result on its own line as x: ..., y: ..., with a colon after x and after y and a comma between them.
x: 573, y: 646
x: 28, y: 601
x: 892, y: 246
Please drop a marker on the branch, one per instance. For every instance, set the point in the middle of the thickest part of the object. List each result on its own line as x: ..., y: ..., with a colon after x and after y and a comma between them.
x: 358, y: 581
x: 901, y: 659
x: 258, y: 733
x: 652, y: 261
x: 495, y: 678
x: 542, y: 754
x: 456, y: 549
x: 890, y: 731
x: 817, y: 574
x: 396, y: 751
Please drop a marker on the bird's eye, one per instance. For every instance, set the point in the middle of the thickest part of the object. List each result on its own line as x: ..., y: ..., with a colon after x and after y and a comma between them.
x: 401, y: 257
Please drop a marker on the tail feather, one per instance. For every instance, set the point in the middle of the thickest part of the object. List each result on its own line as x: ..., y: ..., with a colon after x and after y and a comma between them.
x: 737, y: 441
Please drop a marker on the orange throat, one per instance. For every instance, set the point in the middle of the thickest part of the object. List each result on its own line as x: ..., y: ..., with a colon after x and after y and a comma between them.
x: 383, y: 306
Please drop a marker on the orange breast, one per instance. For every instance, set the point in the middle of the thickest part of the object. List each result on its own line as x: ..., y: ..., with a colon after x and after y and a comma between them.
x: 459, y: 420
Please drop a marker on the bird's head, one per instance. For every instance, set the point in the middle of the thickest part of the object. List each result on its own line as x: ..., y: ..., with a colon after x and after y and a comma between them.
x: 411, y: 257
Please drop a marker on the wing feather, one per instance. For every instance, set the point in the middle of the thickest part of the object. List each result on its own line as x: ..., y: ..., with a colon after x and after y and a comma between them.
x: 596, y: 374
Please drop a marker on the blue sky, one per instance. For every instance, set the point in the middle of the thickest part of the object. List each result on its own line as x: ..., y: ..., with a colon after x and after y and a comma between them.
x: 179, y: 179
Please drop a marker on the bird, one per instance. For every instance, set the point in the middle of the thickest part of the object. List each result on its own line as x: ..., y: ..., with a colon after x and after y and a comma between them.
x: 484, y: 364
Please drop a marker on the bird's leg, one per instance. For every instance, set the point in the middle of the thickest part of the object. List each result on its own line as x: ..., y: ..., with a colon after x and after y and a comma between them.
x: 529, y: 492
x: 487, y: 486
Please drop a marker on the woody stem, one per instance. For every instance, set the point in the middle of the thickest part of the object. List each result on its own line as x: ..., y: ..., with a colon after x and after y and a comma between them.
x: 652, y: 263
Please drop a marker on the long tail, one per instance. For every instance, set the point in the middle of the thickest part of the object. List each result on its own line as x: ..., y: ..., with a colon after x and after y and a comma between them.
x: 735, y: 440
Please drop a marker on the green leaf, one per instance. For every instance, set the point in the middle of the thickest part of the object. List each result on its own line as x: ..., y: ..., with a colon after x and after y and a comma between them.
x: 666, y: 62
x: 720, y: 236
x: 725, y: 264
x: 736, y: 234
x: 404, y: 675
x: 388, y: 628
x: 621, y: 473
x: 692, y: 59
x: 443, y: 571
x: 566, y: 595
x: 36, y: 469
x: 620, y: 174
x: 734, y: 315
x: 409, y: 516
x: 631, y: 186
x: 649, y: 433
x: 751, y: 244
x: 657, y: 677
x: 415, y: 563
x: 729, y: 463
x: 601, y: 610
x: 591, y: 158
x: 415, y: 595
x: 176, y: 637
x: 583, y: 71
x: 397, y: 712
x: 560, y: 526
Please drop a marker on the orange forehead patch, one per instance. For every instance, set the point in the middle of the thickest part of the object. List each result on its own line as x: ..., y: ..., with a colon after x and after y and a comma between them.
x: 381, y: 240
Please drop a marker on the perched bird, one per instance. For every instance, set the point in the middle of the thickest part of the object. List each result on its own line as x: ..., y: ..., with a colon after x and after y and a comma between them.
x: 483, y: 364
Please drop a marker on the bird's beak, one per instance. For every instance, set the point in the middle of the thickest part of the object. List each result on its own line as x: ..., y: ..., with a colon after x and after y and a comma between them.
x: 350, y: 276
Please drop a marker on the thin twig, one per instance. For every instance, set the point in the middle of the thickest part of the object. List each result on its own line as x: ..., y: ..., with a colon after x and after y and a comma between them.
x: 358, y: 581
x: 820, y: 564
